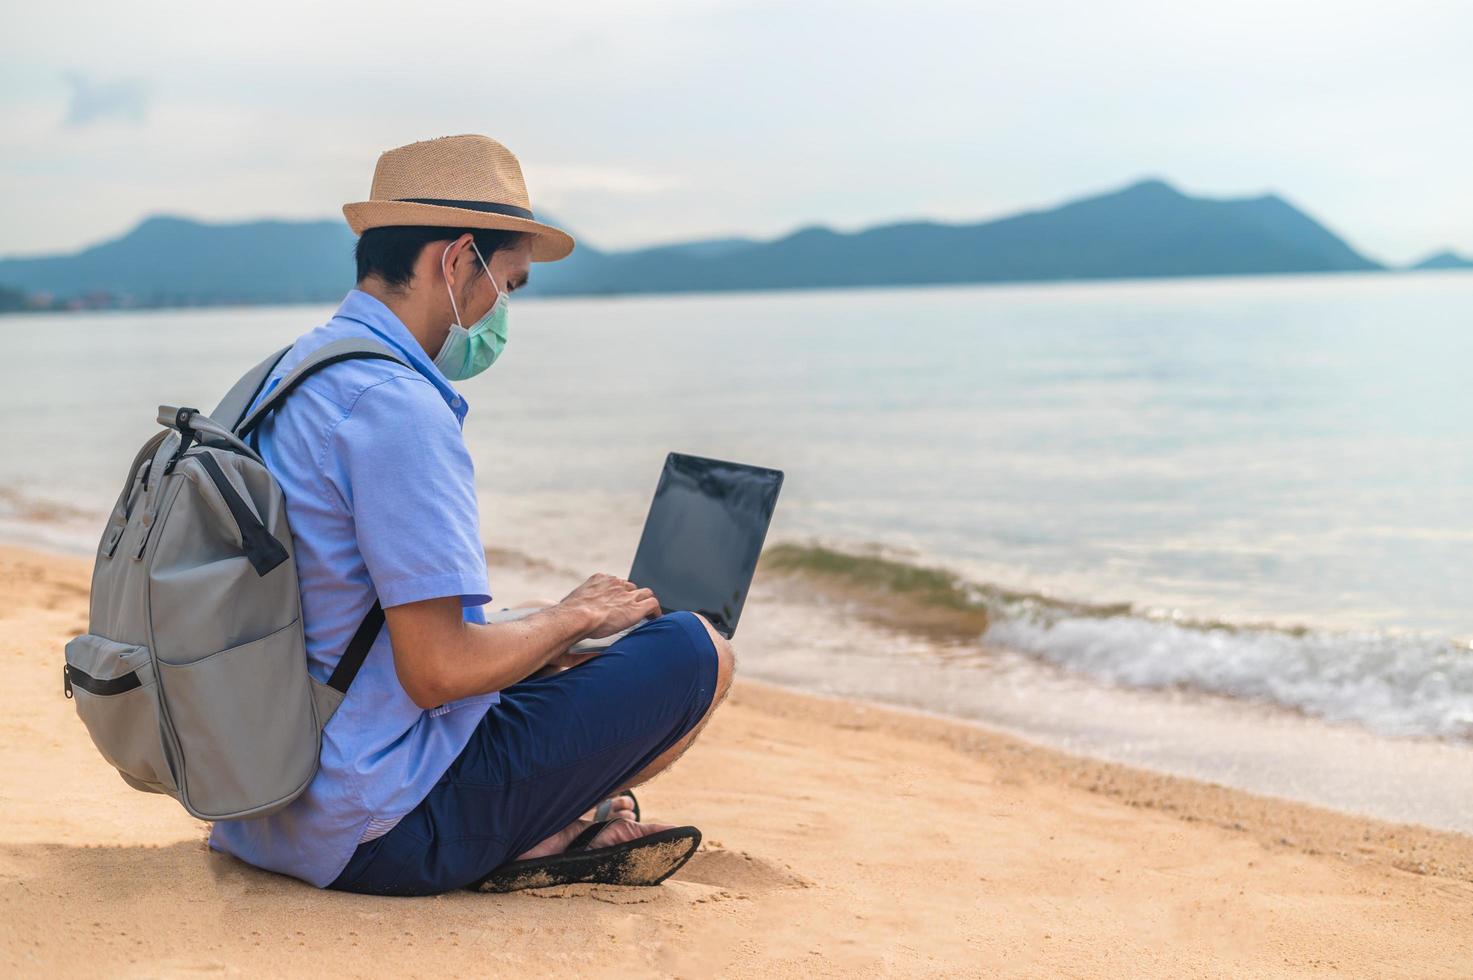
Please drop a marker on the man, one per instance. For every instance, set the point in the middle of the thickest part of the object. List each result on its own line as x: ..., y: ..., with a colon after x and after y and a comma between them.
x: 464, y: 753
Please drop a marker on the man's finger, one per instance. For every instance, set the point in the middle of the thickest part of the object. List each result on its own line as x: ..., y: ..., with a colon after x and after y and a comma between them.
x: 649, y: 606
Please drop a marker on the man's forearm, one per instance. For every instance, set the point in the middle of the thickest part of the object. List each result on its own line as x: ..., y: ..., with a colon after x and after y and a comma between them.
x: 439, y: 659
x: 500, y: 654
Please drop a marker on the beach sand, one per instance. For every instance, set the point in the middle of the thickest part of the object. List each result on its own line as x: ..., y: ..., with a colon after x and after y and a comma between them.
x: 840, y: 838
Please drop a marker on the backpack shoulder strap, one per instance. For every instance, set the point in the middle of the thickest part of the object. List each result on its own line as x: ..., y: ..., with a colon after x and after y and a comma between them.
x: 232, y: 408
x: 358, y: 647
x: 351, y: 348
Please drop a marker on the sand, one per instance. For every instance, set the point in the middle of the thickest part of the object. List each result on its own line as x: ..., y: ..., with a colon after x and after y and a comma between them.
x: 840, y: 838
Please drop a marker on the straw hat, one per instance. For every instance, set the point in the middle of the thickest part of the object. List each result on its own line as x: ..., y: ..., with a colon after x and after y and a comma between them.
x: 455, y: 182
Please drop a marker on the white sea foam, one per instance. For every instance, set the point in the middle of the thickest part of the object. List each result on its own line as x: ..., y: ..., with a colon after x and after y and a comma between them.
x: 1403, y: 685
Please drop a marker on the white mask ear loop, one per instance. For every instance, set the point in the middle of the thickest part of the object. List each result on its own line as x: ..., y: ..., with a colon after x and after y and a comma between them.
x: 489, y: 276
x: 447, y: 281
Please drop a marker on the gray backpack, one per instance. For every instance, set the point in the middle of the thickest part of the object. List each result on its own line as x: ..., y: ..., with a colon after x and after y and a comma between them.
x: 192, y: 679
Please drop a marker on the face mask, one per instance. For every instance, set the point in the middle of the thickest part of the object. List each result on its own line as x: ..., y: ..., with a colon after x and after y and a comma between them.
x: 468, y: 351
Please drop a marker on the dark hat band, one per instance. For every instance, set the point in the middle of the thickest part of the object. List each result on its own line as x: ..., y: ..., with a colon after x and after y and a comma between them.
x: 510, y: 210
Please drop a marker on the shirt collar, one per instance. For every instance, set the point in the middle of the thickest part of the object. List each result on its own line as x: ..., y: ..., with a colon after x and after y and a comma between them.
x: 361, y: 308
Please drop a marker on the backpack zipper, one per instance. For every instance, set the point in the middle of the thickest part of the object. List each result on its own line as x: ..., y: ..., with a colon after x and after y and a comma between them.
x: 103, y: 686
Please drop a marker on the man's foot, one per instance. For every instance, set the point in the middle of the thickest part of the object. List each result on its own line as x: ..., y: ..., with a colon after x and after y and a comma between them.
x: 620, y: 831
x: 620, y: 806
x: 608, y: 852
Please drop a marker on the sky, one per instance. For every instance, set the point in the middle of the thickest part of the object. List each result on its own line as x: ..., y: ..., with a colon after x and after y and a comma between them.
x: 640, y: 122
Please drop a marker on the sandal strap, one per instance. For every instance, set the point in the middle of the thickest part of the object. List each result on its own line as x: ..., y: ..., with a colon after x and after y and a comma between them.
x: 581, y: 842
x: 607, y: 806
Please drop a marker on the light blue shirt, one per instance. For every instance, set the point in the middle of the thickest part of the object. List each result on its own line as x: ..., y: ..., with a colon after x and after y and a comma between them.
x: 381, y: 496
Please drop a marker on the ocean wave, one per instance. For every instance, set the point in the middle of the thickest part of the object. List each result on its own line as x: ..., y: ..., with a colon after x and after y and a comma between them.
x: 1392, y: 683
x: 1395, y: 684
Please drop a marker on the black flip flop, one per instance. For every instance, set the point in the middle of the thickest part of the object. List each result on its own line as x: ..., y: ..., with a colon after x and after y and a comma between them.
x: 648, y: 860
x: 607, y: 806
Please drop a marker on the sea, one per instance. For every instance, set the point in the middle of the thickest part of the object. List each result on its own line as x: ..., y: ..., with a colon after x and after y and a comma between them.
x: 1214, y: 527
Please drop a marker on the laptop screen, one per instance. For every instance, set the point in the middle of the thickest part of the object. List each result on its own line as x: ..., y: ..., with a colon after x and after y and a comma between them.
x: 704, y: 534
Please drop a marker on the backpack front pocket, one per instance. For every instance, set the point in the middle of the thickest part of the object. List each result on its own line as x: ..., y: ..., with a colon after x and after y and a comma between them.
x: 246, y: 725
x: 114, y: 689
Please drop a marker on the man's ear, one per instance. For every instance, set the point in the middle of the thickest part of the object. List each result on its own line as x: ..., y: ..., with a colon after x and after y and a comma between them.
x: 451, y: 257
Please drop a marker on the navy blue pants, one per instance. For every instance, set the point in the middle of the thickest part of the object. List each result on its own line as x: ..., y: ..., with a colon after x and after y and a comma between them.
x: 549, y: 752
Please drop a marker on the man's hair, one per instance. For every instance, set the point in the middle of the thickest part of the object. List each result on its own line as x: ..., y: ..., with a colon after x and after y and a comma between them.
x: 389, y: 254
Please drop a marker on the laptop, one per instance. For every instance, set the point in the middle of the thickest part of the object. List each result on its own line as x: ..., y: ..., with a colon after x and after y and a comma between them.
x: 701, y: 540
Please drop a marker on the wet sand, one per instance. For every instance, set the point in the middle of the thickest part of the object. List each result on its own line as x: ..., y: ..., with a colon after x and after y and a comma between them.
x: 840, y: 837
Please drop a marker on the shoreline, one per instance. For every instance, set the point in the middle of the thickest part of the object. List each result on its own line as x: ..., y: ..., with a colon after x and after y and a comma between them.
x: 901, y: 633
x: 1046, y: 282
x: 841, y: 835
x: 888, y: 629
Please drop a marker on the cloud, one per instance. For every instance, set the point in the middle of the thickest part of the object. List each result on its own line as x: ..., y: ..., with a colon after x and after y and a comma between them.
x: 657, y: 123
x: 95, y: 101
x: 577, y: 178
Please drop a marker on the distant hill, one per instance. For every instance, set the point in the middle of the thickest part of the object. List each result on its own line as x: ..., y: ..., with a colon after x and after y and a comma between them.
x: 1446, y: 259
x: 1149, y: 229
x: 11, y: 300
x: 172, y: 261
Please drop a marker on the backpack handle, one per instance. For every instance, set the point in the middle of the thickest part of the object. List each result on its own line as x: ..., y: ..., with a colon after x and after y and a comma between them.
x: 201, y: 425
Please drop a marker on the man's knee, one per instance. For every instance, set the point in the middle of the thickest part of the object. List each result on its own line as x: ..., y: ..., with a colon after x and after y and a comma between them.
x: 725, y: 656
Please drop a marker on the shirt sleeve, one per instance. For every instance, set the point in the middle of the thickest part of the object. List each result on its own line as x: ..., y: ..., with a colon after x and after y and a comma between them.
x: 411, y: 486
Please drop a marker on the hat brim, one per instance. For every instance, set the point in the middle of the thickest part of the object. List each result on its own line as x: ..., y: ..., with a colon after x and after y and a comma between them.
x: 548, y: 243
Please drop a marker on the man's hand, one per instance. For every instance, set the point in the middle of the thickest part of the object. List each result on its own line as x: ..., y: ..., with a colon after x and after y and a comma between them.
x: 612, y: 603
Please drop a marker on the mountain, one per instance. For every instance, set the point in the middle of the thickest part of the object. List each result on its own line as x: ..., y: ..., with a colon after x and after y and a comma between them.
x: 168, y: 261
x: 12, y: 300
x: 1148, y: 229
x: 1446, y: 259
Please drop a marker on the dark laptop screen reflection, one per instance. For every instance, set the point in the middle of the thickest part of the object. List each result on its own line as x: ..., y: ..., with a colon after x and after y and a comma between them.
x: 704, y: 532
